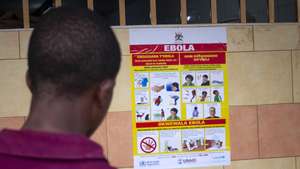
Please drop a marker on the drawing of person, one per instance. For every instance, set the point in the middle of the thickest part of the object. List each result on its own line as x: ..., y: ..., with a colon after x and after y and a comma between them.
x: 205, y: 81
x: 212, y: 113
x: 188, y: 80
x: 193, y: 98
x: 162, y: 114
x: 217, y: 97
x: 173, y: 115
x: 157, y: 101
x: 195, y: 112
x: 203, y: 96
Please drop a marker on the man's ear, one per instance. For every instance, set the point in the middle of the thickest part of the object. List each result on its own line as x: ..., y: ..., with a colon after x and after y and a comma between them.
x: 105, y: 92
x: 28, y: 81
x: 101, y: 95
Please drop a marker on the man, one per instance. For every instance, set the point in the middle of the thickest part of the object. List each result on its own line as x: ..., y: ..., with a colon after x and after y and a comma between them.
x: 212, y: 113
x: 188, y: 80
x: 195, y: 112
x: 203, y: 96
x: 217, y: 97
x: 205, y: 81
x: 173, y: 114
x: 73, y: 60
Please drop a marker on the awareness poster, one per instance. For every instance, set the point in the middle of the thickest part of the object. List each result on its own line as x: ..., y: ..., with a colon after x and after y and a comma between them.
x: 179, y: 97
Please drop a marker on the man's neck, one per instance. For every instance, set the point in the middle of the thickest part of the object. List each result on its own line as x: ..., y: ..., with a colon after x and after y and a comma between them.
x: 57, y: 115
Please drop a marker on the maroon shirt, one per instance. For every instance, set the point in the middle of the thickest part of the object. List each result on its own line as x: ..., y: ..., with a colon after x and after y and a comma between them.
x: 26, y: 149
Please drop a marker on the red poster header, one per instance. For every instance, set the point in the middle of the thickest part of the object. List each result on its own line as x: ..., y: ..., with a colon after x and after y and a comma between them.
x: 202, y: 58
x: 178, y: 58
x: 155, y: 59
x: 180, y: 123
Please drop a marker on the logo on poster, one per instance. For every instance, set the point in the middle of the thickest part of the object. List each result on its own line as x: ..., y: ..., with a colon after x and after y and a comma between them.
x: 148, y: 145
x: 148, y: 163
x: 186, y: 160
x: 178, y: 37
x: 219, y: 157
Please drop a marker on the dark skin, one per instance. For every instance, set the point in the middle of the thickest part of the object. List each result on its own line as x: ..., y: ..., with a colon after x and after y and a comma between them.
x: 82, y: 114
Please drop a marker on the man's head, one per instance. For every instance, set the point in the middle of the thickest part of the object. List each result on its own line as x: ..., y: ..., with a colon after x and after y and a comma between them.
x: 74, y: 54
x: 194, y: 92
x: 189, y: 78
x: 175, y: 86
x: 216, y: 92
x: 173, y: 111
x: 205, y: 78
x: 212, y: 111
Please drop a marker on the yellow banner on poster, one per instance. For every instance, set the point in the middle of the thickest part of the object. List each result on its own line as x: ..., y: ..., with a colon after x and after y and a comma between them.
x: 179, y: 97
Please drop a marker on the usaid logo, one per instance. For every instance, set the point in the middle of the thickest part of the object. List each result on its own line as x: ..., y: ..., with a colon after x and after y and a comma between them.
x: 187, y: 161
x: 219, y: 157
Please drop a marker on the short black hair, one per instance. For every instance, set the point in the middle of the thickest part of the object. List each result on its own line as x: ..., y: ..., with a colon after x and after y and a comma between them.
x: 213, y: 108
x: 175, y: 84
x: 174, y: 110
x: 189, y: 76
x: 205, y: 76
x: 72, y: 49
